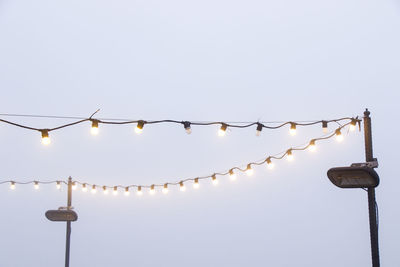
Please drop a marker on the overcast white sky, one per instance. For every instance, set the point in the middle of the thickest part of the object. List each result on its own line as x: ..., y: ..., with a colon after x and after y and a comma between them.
x: 197, y: 60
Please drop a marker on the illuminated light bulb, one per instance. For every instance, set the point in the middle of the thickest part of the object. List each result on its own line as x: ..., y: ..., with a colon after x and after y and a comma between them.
x: 292, y: 130
x: 182, y: 186
x: 139, y: 127
x: 45, y: 137
x: 95, y: 127
x: 270, y: 165
x: 105, y: 190
x: 222, y: 130
x: 12, y: 185
x: 232, y: 175
x: 36, y: 185
x: 289, y: 155
x: 214, y: 179
x: 339, y: 136
x: 259, y: 129
x: 139, y: 191
x: 127, y: 191
x: 152, y: 190
x: 84, y: 188
x: 312, y: 147
x: 196, y: 183
x: 353, y: 124
x: 249, y: 171
x: 94, y: 190
x: 325, y: 126
x: 165, y: 189
x: 58, y: 185
x: 74, y: 186
x: 115, y: 191
x: 187, y: 127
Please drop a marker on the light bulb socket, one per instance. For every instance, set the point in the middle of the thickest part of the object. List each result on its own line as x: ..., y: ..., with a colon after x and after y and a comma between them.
x: 338, y: 132
x: 165, y: 186
x: 268, y: 160
x: 248, y: 167
x: 196, y: 180
x: 45, y: 133
x: 95, y: 123
x: 186, y: 125
x: 259, y: 127
x: 181, y: 184
x: 312, y: 142
x: 224, y: 126
x: 213, y: 177
x: 139, y: 188
x: 140, y: 124
x: 289, y: 152
x: 292, y: 126
x: 324, y: 124
x: 231, y: 172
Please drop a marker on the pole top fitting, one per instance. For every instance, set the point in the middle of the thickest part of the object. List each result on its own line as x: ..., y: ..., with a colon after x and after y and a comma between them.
x: 366, y: 113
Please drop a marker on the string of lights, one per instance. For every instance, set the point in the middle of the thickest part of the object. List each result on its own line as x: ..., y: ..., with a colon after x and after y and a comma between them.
x: 186, y: 124
x: 232, y: 172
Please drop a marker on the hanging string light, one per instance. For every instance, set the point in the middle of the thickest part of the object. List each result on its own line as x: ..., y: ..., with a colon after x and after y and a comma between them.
x: 325, y: 126
x: 45, y: 137
x: 259, y: 129
x: 127, y: 191
x: 232, y: 175
x: 353, y: 124
x: 74, y: 186
x: 292, y: 128
x: 115, y: 191
x: 139, y: 190
x: 268, y: 160
x: 105, y: 190
x: 139, y: 127
x: 182, y: 186
x: 339, y: 136
x: 95, y: 127
x: 196, y: 184
x: 312, y: 146
x: 222, y: 130
x: 214, y: 179
x: 186, y: 125
x: 289, y: 155
x: 249, y: 171
x: 165, y: 189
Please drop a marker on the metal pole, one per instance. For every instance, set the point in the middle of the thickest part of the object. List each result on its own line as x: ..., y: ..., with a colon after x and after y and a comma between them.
x: 373, y: 226
x: 67, y: 245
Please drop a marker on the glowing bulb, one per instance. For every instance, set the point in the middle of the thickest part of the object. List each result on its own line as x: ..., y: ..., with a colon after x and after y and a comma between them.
x: 182, y: 186
x: 339, y: 136
x: 58, y: 185
x: 196, y: 183
x: 325, y: 126
x: 222, y: 130
x: 186, y: 125
x: 105, y: 190
x: 139, y: 191
x: 12, y: 185
x: 292, y: 130
x: 152, y: 190
x: 74, y: 186
x: 165, y: 189
x: 84, y: 188
x: 249, y: 171
x: 289, y: 155
x: 214, y: 179
x: 95, y: 127
x: 127, y: 191
x: 259, y: 129
x: 353, y: 124
x: 115, y: 191
x: 45, y: 137
x: 312, y: 146
x: 139, y: 127
x: 94, y: 190
x: 232, y: 175
x: 270, y: 165
x: 36, y: 185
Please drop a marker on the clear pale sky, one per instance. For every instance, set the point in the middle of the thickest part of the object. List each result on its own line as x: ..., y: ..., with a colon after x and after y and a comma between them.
x: 197, y: 60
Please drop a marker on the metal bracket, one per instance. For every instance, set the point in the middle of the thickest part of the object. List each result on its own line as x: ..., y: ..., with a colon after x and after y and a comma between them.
x: 370, y: 164
x: 65, y: 208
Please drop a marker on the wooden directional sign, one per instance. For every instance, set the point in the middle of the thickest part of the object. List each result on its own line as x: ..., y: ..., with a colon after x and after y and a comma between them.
x: 61, y: 215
